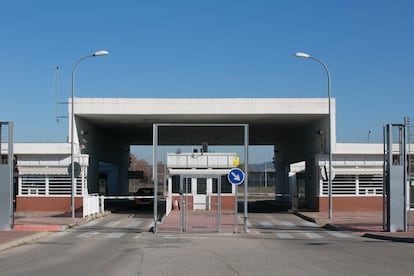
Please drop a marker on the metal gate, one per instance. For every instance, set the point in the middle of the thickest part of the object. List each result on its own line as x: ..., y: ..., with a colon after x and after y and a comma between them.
x: 240, y: 136
x: 6, y: 176
x: 200, y: 209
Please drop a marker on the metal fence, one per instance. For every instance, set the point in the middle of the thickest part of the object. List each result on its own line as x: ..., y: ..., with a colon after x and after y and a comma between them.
x: 216, y: 212
x: 50, y: 185
x: 93, y: 204
x: 354, y: 185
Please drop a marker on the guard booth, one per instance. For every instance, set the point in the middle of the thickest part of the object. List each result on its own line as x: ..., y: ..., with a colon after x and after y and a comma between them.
x: 199, y: 196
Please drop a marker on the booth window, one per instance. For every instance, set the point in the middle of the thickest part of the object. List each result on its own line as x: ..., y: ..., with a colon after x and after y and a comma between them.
x: 201, y: 186
x: 176, y: 185
x: 187, y: 185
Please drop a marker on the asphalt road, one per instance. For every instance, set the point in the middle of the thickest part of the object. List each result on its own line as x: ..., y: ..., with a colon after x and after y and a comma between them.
x: 277, y: 244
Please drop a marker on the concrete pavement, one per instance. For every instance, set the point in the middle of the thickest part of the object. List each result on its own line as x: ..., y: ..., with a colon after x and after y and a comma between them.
x: 31, y: 226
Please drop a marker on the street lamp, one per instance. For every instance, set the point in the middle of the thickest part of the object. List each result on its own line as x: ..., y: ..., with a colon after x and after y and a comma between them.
x: 369, y: 133
x: 72, y: 151
x: 329, y: 174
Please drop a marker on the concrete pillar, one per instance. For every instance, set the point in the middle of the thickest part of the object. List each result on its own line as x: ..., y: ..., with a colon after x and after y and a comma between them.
x: 123, y: 187
x: 282, y: 183
x: 93, y: 176
x: 311, y: 184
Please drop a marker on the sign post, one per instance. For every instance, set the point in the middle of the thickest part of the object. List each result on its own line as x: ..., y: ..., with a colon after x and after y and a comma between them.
x: 235, y: 177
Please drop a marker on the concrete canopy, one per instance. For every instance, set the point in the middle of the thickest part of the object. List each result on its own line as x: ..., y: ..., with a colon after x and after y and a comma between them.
x: 295, y: 121
x: 107, y: 127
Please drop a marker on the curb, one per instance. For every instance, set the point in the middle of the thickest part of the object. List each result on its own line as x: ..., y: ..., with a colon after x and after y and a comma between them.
x: 333, y: 227
x: 328, y: 226
x: 41, y: 231
x: 23, y: 240
x: 310, y: 219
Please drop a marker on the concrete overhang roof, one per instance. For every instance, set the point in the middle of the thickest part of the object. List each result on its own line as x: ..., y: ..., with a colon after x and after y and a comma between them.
x: 269, y: 119
x: 39, y: 148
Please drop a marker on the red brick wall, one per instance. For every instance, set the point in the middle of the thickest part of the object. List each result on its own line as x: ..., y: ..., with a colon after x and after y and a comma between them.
x: 227, y: 202
x: 46, y: 204
x: 351, y: 203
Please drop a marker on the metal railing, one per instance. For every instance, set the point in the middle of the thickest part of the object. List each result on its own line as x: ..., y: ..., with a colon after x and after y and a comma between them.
x: 354, y: 185
x: 49, y: 185
x: 93, y: 204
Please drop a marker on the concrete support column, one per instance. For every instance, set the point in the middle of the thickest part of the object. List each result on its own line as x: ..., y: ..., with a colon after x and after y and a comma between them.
x: 282, y: 183
x: 311, y: 184
x: 123, y: 168
x: 123, y: 187
x: 93, y: 176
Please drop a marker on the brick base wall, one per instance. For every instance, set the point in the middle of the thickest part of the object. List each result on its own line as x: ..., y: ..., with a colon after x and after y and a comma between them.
x: 351, y: 204
x: 46, y: 204
x: 227, y: 202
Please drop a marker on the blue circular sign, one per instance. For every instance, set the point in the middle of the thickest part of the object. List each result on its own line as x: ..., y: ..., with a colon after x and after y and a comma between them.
x: 236, y: 176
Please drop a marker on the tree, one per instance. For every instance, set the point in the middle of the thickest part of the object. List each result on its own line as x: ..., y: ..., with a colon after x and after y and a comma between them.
x: 140, y: 165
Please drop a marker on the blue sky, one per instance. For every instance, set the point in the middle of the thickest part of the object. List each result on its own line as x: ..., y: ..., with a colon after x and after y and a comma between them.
x: 207, y: 49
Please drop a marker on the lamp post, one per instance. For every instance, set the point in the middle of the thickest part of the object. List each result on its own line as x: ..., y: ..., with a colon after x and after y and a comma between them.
x: 72, y: 144
x: 369, y: 133
x: 329, y: 174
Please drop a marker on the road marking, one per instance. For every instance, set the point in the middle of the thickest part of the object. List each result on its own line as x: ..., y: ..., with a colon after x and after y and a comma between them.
x: 266, y: 223
x: 285, y: 236
x: 88, y: 234
x: 313, y: 235
x: 92, y: 223
x: 338, y: 234
x: 137, y: 236
x: 169, y: 237
x: 287, y: 223
x: 134, y: 224
x: 115, y: 235
x: 112, y: 223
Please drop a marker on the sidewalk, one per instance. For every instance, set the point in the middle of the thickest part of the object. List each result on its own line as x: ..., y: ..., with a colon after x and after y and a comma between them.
x: 365, y: 224
x: 31, y: 226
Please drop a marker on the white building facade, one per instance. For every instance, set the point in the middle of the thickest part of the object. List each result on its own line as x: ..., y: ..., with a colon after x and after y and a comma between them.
x: 296, y: 129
